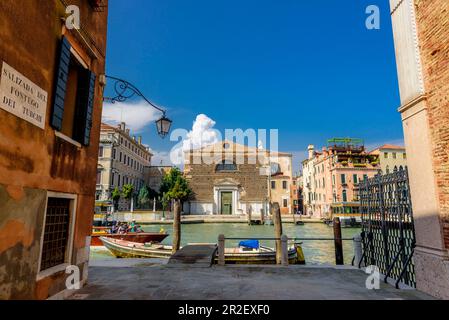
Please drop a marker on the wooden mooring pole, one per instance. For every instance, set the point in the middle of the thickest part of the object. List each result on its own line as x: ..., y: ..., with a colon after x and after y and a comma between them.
x: 338, y: 242
x: 276, y: 213
x: 221, y: 250
x: 176, y: 226
x: 284, y: 251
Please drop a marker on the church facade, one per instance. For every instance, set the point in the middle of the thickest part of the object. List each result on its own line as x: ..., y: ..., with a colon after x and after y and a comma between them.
x: 228, y: 179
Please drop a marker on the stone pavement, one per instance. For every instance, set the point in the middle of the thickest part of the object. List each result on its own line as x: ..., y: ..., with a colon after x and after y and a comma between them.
x: 149, y: 280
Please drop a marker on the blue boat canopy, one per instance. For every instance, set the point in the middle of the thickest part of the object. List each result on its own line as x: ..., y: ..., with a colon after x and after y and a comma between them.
x: 253, y: 244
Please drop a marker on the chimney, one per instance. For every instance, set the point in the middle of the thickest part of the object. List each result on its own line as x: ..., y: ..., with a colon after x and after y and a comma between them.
x: 122, y: 126
x: 311, y: 149
x: 127, y: 131
x: 139, y: 139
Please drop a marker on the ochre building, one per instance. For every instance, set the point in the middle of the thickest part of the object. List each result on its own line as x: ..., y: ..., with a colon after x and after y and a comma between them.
x: 50, y: 109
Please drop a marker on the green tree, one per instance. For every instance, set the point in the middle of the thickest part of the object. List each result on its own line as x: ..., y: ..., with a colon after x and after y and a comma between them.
x: 127, y: 191
x: 175, y: 187
x: 116, y: 194
x: 144, y: 196
x: 169, y: 180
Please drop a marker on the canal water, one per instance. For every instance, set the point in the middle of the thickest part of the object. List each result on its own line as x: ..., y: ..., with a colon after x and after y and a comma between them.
x: 316, y: 252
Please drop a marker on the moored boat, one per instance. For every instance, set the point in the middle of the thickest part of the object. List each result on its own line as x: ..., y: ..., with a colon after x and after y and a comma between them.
x: 127, y: 249
x: 139, y: 237
x: 263, y: 255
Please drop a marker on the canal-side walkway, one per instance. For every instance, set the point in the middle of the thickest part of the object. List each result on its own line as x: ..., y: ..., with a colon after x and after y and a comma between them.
x: 148, y: 217
x: 149, y: 280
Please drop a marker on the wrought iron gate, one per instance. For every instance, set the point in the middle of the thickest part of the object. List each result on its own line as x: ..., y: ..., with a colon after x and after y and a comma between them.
x: 388, y: 233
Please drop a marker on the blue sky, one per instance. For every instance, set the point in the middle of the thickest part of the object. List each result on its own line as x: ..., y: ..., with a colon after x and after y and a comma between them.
x: 308, y: 68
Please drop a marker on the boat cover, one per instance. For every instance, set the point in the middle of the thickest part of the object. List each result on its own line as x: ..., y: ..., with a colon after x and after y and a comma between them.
x: 253, y: 244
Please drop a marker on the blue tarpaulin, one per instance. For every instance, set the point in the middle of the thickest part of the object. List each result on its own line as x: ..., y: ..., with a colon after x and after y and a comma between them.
x: 254, y: 244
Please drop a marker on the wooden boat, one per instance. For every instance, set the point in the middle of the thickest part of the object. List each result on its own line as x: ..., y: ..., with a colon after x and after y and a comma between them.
x: 263, y: 255
x: 127, y: 249
x: 139, y: 237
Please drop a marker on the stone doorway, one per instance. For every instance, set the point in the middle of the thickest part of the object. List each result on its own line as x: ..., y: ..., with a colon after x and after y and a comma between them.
x: 226, y: 203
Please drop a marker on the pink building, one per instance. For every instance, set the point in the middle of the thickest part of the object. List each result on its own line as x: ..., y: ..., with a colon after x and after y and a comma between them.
x: 331, y: 178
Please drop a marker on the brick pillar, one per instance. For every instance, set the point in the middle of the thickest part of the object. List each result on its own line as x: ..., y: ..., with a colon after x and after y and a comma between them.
x: 421, y: 30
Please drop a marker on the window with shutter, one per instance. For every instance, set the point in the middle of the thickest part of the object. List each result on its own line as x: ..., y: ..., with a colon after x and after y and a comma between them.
x: 84, y: 107
x: 61, y: 84
x: 74, y: 97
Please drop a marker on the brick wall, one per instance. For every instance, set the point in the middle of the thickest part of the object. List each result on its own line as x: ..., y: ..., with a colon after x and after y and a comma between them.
x: 432, y: 18
x: 202, y: 178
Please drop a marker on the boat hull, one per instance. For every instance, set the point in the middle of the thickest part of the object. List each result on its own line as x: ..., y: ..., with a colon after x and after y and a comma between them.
x: 126, y: 249
x: 143, y: 237
x: 268, y: 257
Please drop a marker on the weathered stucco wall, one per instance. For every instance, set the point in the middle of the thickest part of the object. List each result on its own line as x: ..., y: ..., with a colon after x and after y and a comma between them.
x: 33, y: 160
x: 22, y: 212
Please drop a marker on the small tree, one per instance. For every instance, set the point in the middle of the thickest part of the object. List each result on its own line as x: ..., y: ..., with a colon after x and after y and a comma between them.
x: 175, y: 187
x: 144, y: 196
x: 128, y: 192
x: 116, y: 194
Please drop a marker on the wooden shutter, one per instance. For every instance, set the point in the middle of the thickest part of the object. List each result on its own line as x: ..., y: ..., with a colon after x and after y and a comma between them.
x: 61, y: 84
x: 90, y: 108
x: 84, y: 107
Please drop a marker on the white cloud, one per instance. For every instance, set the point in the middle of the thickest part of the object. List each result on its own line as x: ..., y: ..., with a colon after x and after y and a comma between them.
x: 202, y: 134
x: 136, y: 115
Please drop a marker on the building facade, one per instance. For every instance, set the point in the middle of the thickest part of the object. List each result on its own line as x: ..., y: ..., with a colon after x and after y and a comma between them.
x: 421, y: 33
x: 331, y: 178
x: 296, y: 195
x: 237, y: 180
x: 122, y: 159
x: 50, y: 109
x: 391, y: 157
x: 154, y: 176
x: 281, y: 180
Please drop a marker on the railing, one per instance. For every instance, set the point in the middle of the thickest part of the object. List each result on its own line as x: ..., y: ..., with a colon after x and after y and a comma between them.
x: 282, y: 249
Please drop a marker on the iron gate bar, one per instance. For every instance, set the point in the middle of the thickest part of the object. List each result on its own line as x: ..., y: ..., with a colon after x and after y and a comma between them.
x: 407, y: 263
x: 388, y: 235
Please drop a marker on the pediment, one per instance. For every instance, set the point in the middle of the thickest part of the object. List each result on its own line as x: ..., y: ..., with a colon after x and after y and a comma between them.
x: 226, y: 182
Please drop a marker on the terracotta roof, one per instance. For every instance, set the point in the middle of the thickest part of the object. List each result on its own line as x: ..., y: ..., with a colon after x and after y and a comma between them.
x: 391, y: 146
x: 388, y: 147
x: 105, y: 126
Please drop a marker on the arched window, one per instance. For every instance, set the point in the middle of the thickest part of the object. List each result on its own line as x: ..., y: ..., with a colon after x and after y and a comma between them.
x: 226, y: 167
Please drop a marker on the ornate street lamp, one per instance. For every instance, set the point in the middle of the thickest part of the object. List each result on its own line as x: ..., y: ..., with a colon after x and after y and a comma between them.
x: 163, y: 126
x: 125, y: 90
